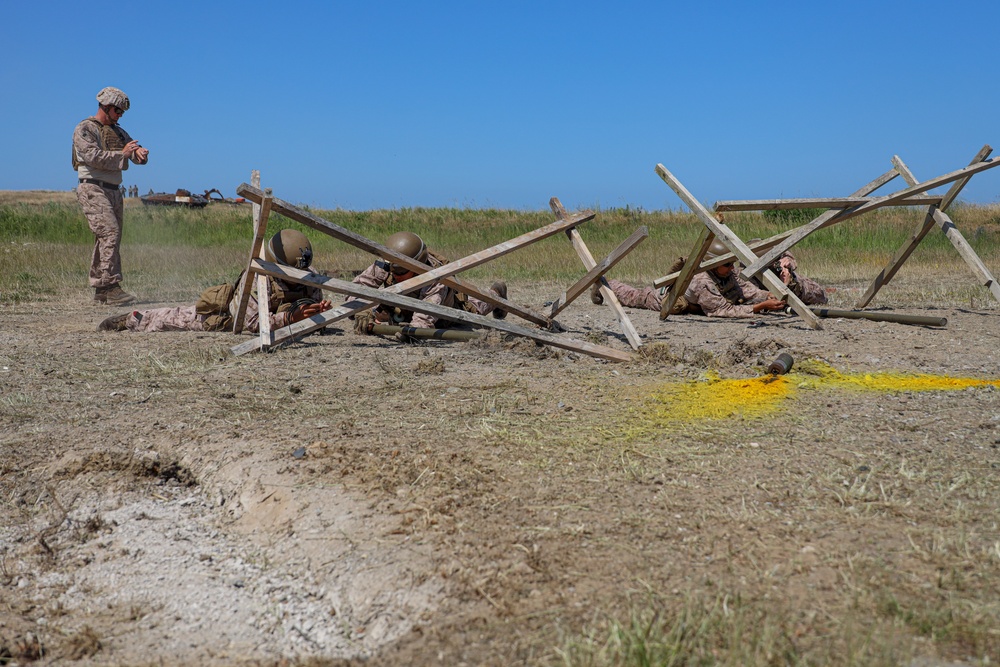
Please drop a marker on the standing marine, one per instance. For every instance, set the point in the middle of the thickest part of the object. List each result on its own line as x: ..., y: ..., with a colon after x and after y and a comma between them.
x: 102, y: 150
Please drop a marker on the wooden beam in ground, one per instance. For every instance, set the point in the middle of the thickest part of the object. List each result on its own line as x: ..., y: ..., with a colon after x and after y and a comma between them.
x: 768, y: 243
x: 442, y: 312
x: 602, y: 267
x: 583, y: 252
x: 935, y: 215
x: 687, y: 271
x: 261, y: 213
x: 893, y: 199
x: 358, y: 241
x: 792, y: 204
x: 903, y: 253
x: 427, y: 276
x: 738, y: 248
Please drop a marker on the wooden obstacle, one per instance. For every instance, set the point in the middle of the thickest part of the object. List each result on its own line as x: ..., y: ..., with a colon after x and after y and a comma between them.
x: 258, y: 270
x: 839, y: 210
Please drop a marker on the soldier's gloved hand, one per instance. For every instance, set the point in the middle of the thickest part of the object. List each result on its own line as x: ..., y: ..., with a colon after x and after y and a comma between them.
x: 363, y: 322
x: 308, y: 309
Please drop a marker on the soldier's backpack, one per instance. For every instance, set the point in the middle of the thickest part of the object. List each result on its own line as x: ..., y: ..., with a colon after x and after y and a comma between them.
x: 214, y: 305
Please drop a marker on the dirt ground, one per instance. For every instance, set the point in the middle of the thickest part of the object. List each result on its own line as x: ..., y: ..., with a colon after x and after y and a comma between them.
x: 349, y: 499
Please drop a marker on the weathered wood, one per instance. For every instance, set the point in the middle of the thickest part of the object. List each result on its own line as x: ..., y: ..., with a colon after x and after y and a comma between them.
x: 879, y: 202
x: 595, y: 274
x: 427, y: 276
x: 738, y: 247
x: 904, y: 251
x: 358, y: 241
x: 388, y: 298
x: 792, y: 204
x: 867, y: 189
x: 687, y: 271
x: 583, y: 252
x: 945, y: 223
x: 261, y: 213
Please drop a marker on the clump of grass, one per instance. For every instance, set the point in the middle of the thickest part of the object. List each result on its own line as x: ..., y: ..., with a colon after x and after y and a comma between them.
x: 726, y: 630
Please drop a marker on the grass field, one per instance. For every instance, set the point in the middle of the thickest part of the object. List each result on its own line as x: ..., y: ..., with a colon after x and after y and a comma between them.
x: 175, y: 252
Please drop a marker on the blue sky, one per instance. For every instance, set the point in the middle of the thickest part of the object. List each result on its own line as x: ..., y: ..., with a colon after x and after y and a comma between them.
x: 363, y: 105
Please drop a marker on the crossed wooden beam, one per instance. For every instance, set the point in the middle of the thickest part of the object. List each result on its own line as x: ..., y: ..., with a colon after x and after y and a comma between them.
x: 840, y: 210
x: 258, y: 269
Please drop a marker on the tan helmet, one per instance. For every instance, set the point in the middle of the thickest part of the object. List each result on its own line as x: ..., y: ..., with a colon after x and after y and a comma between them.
x: 409, y: 244
x: 717, y: 249
x: 113, y: 97
x: 291, y: 248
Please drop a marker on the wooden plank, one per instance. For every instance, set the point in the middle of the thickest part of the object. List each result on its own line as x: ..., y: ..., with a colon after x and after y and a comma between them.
x: 947, y: 226
x: 427, y: 276
x: 583, y: 252
x: 904, y: 251
x: 687, y: 271
x: 867, y: 189
x: 358, y: 241
x: 792, y: 204
x: 738, y: 247
x: 602, y: 267
x: 889, y: 200
x: 442, y: 312
x: 261, y: 213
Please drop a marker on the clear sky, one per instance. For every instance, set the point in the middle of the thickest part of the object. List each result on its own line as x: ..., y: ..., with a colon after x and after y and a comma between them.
x: 473, y: 104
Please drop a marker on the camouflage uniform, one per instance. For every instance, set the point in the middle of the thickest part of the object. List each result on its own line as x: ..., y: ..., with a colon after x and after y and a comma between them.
x: 378, y: 276
x: 283, y: 296
x: 649, y: 298
x: 97, y: 149
x: 809, y: 291
x: 723, y: 297
x: 706, y: 295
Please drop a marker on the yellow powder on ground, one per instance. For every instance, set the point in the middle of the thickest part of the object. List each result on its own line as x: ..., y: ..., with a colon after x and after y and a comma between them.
x: 825, y: 376
x: 716, y: 399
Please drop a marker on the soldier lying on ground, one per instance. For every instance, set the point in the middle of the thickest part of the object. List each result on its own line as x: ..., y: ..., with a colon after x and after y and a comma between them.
x: 384, y: 274
x: 719, y: 292
x: 216, y: 308
x: 809, y: 291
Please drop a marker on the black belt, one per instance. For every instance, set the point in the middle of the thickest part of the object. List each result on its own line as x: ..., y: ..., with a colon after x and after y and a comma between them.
x: 94, y: 181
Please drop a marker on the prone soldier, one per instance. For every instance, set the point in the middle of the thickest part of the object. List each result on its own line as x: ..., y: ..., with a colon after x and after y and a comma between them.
x: 382, y: 274
x: 718, y: 292
x: 287, y: 302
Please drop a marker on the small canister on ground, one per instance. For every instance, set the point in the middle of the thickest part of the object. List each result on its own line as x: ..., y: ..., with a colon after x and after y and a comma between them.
x: 781, y: 364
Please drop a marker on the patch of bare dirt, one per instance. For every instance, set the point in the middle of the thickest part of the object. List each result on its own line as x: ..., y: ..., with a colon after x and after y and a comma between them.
x: 348, y: 499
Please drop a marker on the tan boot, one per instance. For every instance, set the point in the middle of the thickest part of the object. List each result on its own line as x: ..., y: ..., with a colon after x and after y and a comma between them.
x: 114, y: 295
x: 500, y: 289
x: 596, y: 297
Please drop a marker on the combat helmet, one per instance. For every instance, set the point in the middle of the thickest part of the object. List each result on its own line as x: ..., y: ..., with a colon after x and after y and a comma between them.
x: 717, y: 249
x: 409, y: 244
x: 291, y: 248
x: 113, y: 97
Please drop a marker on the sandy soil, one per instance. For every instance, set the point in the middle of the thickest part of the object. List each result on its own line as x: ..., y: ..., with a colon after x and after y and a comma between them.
x: 349, y: 498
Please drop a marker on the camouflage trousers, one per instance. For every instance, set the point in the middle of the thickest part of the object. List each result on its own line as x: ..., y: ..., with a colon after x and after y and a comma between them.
x: 105, y: 211
x: 811, y: 292
x: 183, y: 318
x: 649, y: 298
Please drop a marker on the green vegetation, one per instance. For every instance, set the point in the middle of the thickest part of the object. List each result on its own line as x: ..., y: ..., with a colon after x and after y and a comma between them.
x: 175, y: 251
